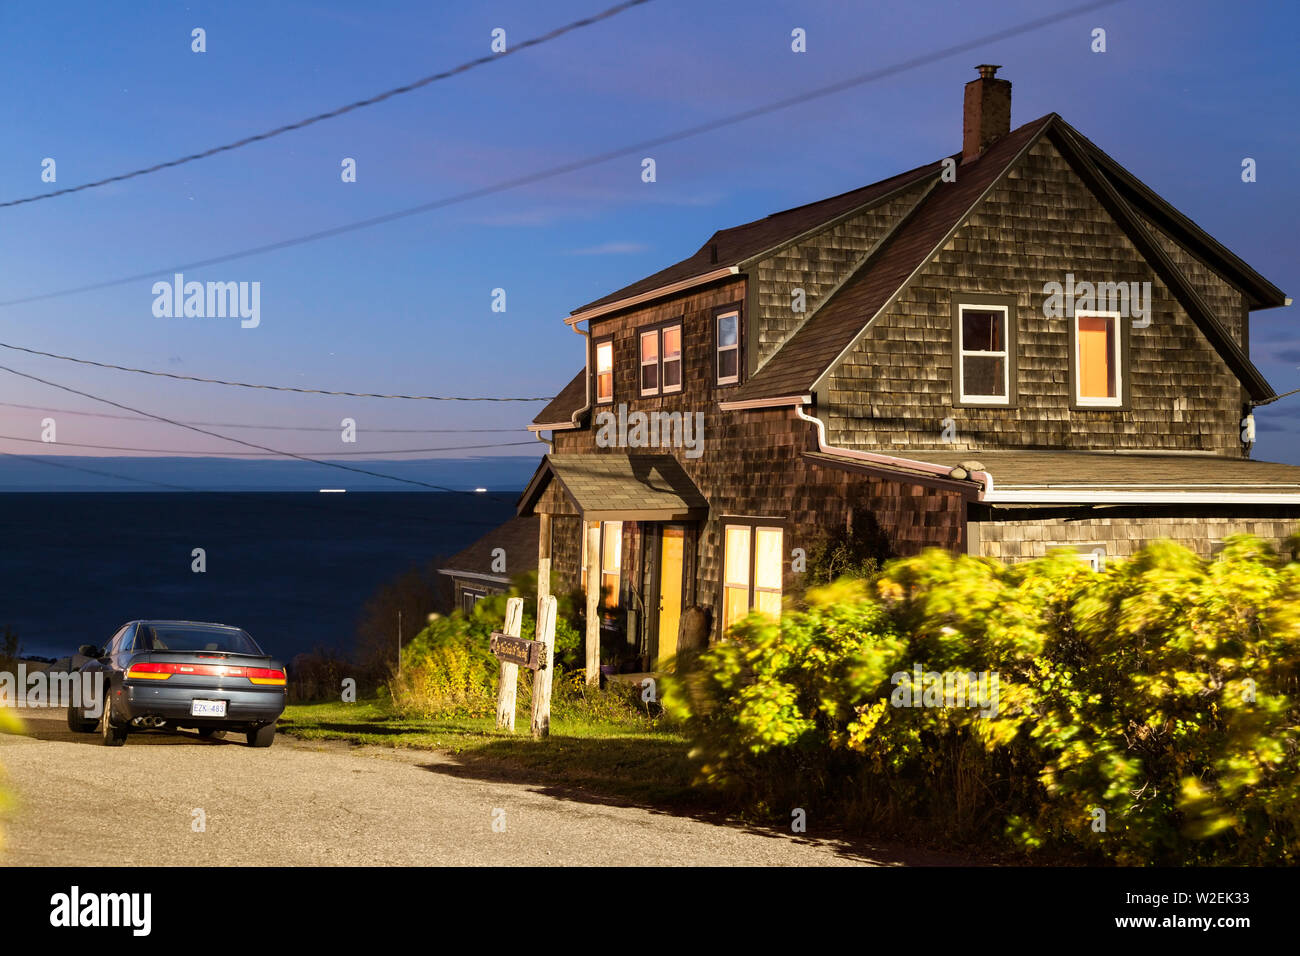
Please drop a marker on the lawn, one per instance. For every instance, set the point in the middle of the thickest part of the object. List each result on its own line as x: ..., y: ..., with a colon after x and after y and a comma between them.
x: 633, y: 762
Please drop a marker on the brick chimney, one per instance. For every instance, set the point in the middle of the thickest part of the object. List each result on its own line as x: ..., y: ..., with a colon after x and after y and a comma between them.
x: 986, y: 114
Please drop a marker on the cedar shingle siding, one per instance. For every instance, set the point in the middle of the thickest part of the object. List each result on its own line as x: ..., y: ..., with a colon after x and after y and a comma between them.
x: 817, y: 265
x: 895, y: 388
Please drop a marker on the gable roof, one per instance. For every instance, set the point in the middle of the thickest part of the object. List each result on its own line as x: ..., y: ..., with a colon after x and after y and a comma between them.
x: 614, y: 487
x: 835, y: 325
x: 833, y: 328
x: 732, y: 247
x: 1141, y: 197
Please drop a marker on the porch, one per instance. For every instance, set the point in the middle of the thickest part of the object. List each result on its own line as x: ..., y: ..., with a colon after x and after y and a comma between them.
x: 633, y: 522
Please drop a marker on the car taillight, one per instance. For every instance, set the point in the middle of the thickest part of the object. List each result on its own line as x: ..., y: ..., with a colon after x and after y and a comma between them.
x: 266, y: 675
x: 149, y: 671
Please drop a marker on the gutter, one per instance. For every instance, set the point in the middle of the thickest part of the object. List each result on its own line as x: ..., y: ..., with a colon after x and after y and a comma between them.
x: 889, y: 460
x: 1139, y: 497
x: 660, y: 292
x: 795, y: 400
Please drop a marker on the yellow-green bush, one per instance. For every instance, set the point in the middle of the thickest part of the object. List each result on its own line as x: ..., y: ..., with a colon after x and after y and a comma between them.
x: 448, y: 670
x: 1161, y: 691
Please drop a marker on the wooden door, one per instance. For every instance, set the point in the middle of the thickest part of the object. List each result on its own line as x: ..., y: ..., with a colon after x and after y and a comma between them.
x: 672, y: 553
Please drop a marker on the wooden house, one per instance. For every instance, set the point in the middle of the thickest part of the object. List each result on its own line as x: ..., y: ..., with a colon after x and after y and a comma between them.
x: 1015, y: 348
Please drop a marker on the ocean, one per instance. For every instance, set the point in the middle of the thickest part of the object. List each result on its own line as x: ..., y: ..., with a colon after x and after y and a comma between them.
x: 294, y: 569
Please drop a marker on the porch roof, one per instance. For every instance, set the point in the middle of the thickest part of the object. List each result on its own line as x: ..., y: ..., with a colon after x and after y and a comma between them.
x: 1061, y: 476
x: 616, y: 487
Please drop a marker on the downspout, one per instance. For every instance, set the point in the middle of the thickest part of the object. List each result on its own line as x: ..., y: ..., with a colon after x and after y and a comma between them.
x: 887, y: 460
x: 586, y: 379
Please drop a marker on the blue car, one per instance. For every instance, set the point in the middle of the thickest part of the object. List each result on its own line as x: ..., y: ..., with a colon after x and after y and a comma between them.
x: 165, y: 674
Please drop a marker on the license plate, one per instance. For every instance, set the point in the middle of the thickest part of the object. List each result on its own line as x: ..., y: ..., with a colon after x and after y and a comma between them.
x: 207, y: 708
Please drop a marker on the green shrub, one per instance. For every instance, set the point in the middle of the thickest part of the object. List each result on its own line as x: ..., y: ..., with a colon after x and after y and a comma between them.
x: 1161, y: 691
x: 449, y: 670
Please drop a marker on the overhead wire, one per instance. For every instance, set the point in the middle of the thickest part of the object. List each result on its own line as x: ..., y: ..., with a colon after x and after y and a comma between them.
x: 511, y: 48
x: 576, y: 165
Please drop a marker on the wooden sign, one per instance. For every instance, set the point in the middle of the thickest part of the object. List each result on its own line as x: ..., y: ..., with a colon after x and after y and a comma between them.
x: 539, y: 655
x: 518, y: 650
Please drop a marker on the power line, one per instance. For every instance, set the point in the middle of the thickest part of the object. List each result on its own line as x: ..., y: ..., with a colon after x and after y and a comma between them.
x: 271, y: 388
x: 554, y: 171
x: 281, y: 428
x: 238, y: 441
x: 258, y: 454
x: 331, y: 114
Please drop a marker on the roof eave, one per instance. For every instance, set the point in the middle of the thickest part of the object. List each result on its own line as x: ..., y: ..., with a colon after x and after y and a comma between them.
x: 671, y: 288
x: 1264, y: 294
x: 1064, y: 138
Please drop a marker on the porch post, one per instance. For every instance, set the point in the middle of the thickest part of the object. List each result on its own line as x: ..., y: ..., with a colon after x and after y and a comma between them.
x: 593, y: 603
x: 543, y: 566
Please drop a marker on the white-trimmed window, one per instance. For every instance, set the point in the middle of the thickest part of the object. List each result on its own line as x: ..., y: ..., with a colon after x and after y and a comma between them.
x: 604, y: 372
x: 611, y: 560
x: 728, y: 347
x: 661, y: 360
x: 984, y: 360
x: 753, y: 559
x: 672, y: 358
x: 1098, y: 377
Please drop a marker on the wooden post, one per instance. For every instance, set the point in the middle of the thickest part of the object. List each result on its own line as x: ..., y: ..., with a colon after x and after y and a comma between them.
x: 542, y: 676
x: 508, y: 676
x: 593, y: 604
x: 543, y: 566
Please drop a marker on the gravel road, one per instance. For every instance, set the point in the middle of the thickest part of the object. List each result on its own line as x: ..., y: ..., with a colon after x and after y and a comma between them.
x: 306, y: 803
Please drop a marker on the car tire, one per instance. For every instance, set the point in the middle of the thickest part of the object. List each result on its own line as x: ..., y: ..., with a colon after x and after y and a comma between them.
x: 112, y: 734
x: 79, y: 724
x: 262, y: 736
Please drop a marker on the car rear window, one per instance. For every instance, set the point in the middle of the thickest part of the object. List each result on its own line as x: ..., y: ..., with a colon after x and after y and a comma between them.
x: 196, y: 637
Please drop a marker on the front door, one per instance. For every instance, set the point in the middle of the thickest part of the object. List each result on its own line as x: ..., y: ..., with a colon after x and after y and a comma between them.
x: 672, y: 547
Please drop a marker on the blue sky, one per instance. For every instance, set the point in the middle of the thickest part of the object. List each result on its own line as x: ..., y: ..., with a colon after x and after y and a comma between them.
x: 1183, y: 93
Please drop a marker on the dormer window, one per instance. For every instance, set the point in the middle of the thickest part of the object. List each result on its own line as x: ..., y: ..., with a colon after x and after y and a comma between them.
x: 728, y: 347
x: 605, y: 372
x: 661, y: 360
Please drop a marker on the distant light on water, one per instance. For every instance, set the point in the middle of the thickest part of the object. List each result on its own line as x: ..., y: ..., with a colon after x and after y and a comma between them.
x: 332, y: 491
x: 480, y: 489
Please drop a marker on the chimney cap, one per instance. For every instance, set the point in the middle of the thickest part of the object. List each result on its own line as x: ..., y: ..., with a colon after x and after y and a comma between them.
x: 988, y: 70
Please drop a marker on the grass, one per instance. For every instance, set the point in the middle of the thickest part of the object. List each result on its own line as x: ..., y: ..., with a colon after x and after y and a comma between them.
x: 635, y: 762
